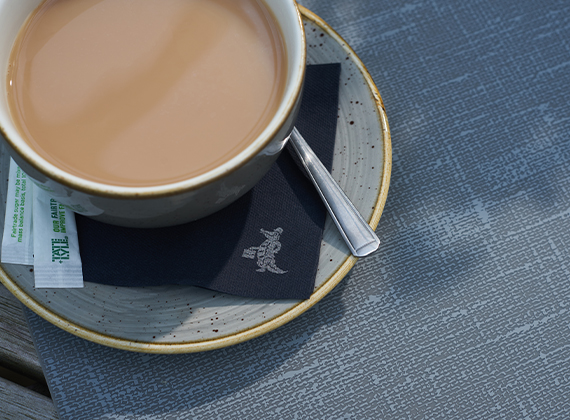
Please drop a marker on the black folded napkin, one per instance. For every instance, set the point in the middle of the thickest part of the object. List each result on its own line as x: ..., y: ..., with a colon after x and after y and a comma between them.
x: 265, y: 245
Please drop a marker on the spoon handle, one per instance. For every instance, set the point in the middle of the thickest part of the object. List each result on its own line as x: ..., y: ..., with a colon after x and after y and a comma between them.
x: 359, y: 237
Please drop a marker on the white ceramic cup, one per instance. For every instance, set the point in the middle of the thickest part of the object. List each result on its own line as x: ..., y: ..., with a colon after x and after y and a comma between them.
x: 171, y: 204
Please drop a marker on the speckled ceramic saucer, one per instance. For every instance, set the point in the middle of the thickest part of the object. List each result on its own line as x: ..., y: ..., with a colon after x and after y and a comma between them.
x: 176, y: 319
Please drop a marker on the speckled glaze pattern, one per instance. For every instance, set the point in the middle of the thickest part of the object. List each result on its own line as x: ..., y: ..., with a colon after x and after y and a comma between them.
x: 176, y: 319
x: 170, y: 204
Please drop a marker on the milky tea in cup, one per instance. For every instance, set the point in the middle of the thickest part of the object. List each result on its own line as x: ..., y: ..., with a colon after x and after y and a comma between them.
x: 142, y: 93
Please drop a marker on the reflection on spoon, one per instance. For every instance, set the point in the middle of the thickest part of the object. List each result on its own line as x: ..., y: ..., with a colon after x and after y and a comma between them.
x: 359, y: 237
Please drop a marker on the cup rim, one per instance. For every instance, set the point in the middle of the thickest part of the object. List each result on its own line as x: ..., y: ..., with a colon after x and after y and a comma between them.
x: 32, y: 158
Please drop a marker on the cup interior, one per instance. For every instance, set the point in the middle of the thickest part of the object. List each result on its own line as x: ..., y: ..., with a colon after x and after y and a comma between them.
x: 13, y: 14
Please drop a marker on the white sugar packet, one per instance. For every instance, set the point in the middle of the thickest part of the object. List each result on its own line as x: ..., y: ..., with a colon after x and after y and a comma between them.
x: 17, y: 240
x: 40, y: 231
x: 57, y: 263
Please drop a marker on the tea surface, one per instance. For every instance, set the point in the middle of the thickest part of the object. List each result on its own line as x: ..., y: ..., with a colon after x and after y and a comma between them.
x: 141, y: 93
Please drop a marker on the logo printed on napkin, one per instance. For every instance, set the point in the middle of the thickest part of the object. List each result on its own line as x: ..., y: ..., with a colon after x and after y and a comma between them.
x: 266, y: 252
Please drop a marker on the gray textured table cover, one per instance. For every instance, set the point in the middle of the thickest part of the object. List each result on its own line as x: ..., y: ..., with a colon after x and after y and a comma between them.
x: 465, y: 310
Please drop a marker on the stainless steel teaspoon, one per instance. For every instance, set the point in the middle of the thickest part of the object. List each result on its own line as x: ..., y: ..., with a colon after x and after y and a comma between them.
x: 359, y: 237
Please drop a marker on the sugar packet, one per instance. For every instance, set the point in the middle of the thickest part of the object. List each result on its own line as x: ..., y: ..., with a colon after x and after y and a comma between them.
x: 57, y: 263
x: 17, y: 240
x: 40, y: 231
